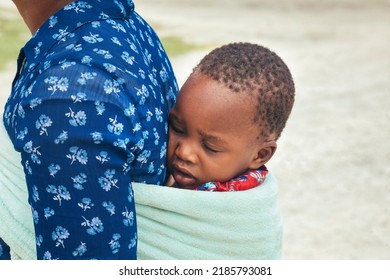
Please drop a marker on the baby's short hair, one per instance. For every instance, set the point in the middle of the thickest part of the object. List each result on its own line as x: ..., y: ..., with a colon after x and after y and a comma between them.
x: 247, y: 67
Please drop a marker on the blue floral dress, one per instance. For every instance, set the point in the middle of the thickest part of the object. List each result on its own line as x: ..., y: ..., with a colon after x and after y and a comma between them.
x: 88, y: 113
x: 5, y: 253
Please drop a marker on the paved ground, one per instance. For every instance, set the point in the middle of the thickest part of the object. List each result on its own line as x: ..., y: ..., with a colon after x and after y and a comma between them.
x: 333, y: 158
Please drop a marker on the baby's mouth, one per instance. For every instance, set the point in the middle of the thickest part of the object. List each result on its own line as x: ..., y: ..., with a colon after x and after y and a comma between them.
x: 183, y: 178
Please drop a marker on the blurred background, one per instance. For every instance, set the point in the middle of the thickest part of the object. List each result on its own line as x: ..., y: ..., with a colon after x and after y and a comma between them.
x: 333, y: 159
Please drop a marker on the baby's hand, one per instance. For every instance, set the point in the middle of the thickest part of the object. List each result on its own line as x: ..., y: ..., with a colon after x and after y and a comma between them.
x: 170, y: 181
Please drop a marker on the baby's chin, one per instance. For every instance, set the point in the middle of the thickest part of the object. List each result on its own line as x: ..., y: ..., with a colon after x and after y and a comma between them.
x: 183, y: 187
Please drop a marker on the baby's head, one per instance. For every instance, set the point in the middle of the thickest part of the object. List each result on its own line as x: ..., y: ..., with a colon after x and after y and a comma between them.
x: 229, y: 114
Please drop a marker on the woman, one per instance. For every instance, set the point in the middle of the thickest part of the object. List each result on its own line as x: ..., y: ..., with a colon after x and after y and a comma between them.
x: 88, y: 112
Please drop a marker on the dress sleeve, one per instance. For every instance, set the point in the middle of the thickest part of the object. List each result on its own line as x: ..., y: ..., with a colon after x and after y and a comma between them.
x: 78, y: 144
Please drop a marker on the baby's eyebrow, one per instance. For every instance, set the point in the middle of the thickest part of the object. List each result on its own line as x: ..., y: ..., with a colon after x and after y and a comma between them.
x: 211, y: 138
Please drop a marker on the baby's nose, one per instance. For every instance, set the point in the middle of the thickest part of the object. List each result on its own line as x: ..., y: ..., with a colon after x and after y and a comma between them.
x: 186, y: 152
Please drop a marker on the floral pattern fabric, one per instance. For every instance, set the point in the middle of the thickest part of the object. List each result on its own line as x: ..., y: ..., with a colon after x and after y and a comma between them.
x: 88, y: 112
x: 246, y: 181
x: 4, y: 251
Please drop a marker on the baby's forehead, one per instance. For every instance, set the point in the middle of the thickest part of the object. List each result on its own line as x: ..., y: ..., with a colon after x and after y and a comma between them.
x: 206, y: 89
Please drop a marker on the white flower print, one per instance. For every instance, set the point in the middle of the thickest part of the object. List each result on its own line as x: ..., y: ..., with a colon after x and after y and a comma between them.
x: 93, y: 38
x: 108, y: 181
x: 39, y: 240
x: 56, y: 83
x: 130, y: 197
x: 76, y: 48
x: 122, y: 143
x: 106, y: 54
x: 28, y: 167
x: 156, y: 137
x: 147, y: 57
x: 60, y: 193
x: 94, y: 226
x: 21, y: 112
x: 139, y: 145
x: 62, y: 33
x: 117, y: 26
x: 46, y: 65
x: 149, y: 116
x: 142, y: 73
x: 163, y: 150
x: 28, y: 91
x: 77, y: 119
x: 79, y: 180
x: 103, y: 157
x: 160, y: 170
x: 114, y: 126
x: 48, y: 212
x: 114, y: 243
x: 86, y: 76
x: 143, y: 158
x: 109, y: 67
x: 59, y: 235
x: 164, y: 75
x: 128, y: 219
x: 95, y: 24
x: 47, y: 256
x: 61, y: 138
x: 22, y: 134
x: 111, y: 86
x: 43, y: 123
x: 30, y: 149
x: 66, y: 64
x: 143, y: 92
x: 85, y: 204
x: 115, y: 40
x: 159, y: 114
x: 80, y: 250
x: 109, y: 206
x: 79, y: 97
x: 100, y: 108
x: 137, y: 127
x: 35, y: 195
x: 35, y: 102
x: 53, y: 21
x: 132, y: 46
x: 78, y: 154
x: 86, y: 60
x: 154, y: 81
x: 151, y: 168
x: 128, y: 58
x: 37, y: 49
x: 53, y: 169
x: 97, y: 137
x: 35, y: 216
x: 78, y: 7
x: 133, y: 241
x: 130, y: 111
x: 145, y: 134
x: 103, y: 15
x: 127, y: 165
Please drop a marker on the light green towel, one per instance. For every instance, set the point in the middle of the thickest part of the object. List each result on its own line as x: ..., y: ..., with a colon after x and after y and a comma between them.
x: 184, y: 224
x: 16, y: 224
x: 172, y: 223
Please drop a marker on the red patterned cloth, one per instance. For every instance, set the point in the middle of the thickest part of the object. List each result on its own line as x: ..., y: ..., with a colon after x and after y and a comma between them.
x: 246, y: 181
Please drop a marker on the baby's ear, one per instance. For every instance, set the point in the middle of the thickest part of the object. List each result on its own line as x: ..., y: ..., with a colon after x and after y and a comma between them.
x: 263, y: 154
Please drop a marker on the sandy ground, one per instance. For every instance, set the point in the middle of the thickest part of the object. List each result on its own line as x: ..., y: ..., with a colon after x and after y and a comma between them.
x: 333, y: 158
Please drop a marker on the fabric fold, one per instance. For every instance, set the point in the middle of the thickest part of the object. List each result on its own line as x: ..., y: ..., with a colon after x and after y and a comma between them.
x: 185, y: 224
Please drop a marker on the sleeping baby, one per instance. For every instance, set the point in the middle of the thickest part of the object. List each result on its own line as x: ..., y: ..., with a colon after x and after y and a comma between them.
x: 228, y: 116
